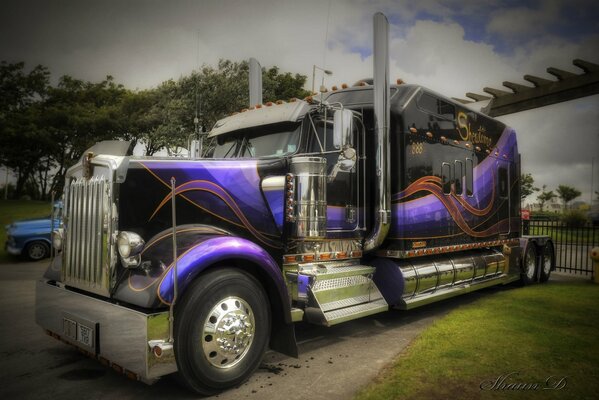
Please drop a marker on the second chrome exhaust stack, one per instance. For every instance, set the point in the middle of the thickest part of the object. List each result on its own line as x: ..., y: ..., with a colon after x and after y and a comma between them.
x: 382, y: 196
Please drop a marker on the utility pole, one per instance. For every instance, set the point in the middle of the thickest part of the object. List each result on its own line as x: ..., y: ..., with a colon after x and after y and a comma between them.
x: 6, y: 184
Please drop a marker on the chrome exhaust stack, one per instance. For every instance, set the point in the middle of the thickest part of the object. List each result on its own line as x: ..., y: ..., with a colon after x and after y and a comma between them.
x: 382, y: 196
x: 255, y: 82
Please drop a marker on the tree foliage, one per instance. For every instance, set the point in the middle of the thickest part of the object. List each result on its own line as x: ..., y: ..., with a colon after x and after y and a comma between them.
x: 567, y: 194
x: 527, y: 186
x: 21, y: 96
x: 45, y: 129
x: 545, y: 196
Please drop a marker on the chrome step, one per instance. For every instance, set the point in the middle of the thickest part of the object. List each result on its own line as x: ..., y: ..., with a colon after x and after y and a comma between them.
x: 349, y: 302
x: 333, y: 270
x: 340, y: 291
x: 358, y: 311
x: 330, y: 290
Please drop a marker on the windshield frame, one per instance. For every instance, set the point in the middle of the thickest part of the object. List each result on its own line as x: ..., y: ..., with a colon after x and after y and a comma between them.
x: 240, y: 139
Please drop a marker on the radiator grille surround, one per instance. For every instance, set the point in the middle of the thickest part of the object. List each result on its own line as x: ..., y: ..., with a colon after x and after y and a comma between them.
x: 89, y: 226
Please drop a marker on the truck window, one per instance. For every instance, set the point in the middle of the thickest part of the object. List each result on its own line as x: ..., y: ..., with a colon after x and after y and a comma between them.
x: 459, y: 176
x: 503, y: 182
x: 469, y: 177
x: 435, y: 105
x: 446, y: 177
x: 264, y: 141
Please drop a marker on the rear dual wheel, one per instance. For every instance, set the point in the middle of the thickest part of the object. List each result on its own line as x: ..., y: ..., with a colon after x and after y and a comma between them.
x: 547, y: 262
x: 222, y: 329
x: 529, y: 265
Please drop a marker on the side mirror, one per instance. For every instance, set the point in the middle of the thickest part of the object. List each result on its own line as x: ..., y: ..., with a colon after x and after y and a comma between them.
x: 343, y: 124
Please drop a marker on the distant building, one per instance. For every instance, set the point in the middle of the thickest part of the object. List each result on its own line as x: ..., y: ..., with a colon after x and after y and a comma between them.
x: 554, y: 205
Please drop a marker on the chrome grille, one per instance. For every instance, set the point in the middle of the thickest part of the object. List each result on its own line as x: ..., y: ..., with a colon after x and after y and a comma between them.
x: 86, y: 257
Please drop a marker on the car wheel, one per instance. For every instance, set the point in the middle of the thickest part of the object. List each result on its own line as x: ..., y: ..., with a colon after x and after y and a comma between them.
x: 529, y: 265
x: 222, y: 329
x: 37, y: 250
x: 547, y: 261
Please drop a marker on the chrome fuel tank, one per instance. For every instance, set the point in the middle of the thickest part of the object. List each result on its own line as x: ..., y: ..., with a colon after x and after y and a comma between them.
x: 403, y: 280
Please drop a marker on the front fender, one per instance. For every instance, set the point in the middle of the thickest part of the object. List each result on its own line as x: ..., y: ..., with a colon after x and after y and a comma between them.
x: 198, y: 247
x: 215, y: 250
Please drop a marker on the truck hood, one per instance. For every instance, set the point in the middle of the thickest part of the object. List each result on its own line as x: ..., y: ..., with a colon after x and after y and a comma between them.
x: 33, y: 223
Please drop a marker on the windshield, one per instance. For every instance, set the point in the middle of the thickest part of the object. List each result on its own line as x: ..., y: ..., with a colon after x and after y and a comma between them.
x: 265, y: 141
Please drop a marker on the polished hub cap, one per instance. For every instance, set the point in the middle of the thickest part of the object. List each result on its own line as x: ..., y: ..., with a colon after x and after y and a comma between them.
x: 36, y: 251
x: 228, y: 332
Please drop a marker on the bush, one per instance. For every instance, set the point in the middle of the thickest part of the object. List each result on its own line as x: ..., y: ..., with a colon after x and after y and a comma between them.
x: 545, y: 215
x: 574, y: 218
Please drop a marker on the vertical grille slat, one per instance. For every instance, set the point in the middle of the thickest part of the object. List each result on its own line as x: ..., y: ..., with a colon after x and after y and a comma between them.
x: 86, y: 253
x: 93, y: 227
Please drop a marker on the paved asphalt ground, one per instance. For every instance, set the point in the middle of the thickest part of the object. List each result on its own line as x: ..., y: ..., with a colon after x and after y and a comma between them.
x: 334, y: 362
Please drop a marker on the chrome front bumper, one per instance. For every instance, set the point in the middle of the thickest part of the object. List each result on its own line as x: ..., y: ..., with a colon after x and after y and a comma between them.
x: 12, y: 250
x: 113, y: 334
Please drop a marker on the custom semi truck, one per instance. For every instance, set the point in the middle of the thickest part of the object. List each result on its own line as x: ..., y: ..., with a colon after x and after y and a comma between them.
x: 324, y: 210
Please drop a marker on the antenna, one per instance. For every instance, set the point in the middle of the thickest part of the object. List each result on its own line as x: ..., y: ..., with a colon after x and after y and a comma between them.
x: 326, y: 37
x: 196, y: 140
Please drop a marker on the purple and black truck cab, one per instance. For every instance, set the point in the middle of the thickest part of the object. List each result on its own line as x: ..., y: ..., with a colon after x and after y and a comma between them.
x: 324, y: 211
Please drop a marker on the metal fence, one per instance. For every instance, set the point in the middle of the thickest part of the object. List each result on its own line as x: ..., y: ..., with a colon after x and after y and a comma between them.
x: 572, y: 244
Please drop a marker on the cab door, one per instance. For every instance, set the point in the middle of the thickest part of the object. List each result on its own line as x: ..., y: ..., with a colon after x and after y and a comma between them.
x: 345, y: 211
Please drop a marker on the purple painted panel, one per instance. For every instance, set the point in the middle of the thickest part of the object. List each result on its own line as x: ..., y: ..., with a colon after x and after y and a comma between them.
x: 228, y: 189
x: 429, y: 216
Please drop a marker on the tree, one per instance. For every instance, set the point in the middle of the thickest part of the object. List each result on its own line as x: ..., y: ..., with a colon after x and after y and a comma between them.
x: 78, y: 114
x: 527, y: 186
x: 213, y: 93
x: 545, y: 196
x: 45, y: 129
x: 567, y: 194
x: 21, y: 135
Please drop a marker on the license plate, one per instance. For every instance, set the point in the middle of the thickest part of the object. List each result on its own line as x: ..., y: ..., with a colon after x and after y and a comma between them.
x: 85, y: 335
x: 80, y: 331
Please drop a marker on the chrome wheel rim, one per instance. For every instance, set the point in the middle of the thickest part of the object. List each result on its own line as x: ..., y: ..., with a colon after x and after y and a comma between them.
x: 547, y: 261
x: 36, y: 251
x: 530, y: 264
x: 228, y: 332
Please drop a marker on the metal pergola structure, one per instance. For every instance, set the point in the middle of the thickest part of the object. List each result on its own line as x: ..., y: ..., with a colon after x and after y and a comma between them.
x: 568, y: 86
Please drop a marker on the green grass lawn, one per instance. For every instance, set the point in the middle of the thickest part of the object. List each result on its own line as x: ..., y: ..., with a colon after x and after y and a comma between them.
x: 534, y: 333
x: 11, y: 210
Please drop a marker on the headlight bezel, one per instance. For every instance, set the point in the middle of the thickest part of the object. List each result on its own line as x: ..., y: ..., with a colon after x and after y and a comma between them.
x: 129, y: 246
x: 57, y: 238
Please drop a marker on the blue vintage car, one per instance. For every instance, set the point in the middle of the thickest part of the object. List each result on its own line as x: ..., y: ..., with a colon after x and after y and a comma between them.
x: 31, y: 238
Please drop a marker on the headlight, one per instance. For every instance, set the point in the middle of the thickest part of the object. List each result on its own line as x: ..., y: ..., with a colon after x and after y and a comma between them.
x: 57, y: 238
x: 130, y: 244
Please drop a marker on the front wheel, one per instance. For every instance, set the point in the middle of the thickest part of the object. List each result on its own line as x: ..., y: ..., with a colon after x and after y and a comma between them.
x: 222, y: 329
x: 37, y: 250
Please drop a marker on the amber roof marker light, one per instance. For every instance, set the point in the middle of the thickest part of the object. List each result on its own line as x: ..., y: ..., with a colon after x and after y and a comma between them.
x: 325, y: 72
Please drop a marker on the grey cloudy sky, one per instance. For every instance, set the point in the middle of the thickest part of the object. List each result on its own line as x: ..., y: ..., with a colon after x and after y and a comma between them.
x: 449, y: 46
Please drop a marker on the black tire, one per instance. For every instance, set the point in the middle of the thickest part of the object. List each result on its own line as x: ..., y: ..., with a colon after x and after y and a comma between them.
x: 37, y: 250
x: 218, y: 299
x: 547, y: 262
x: 529, y: 265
